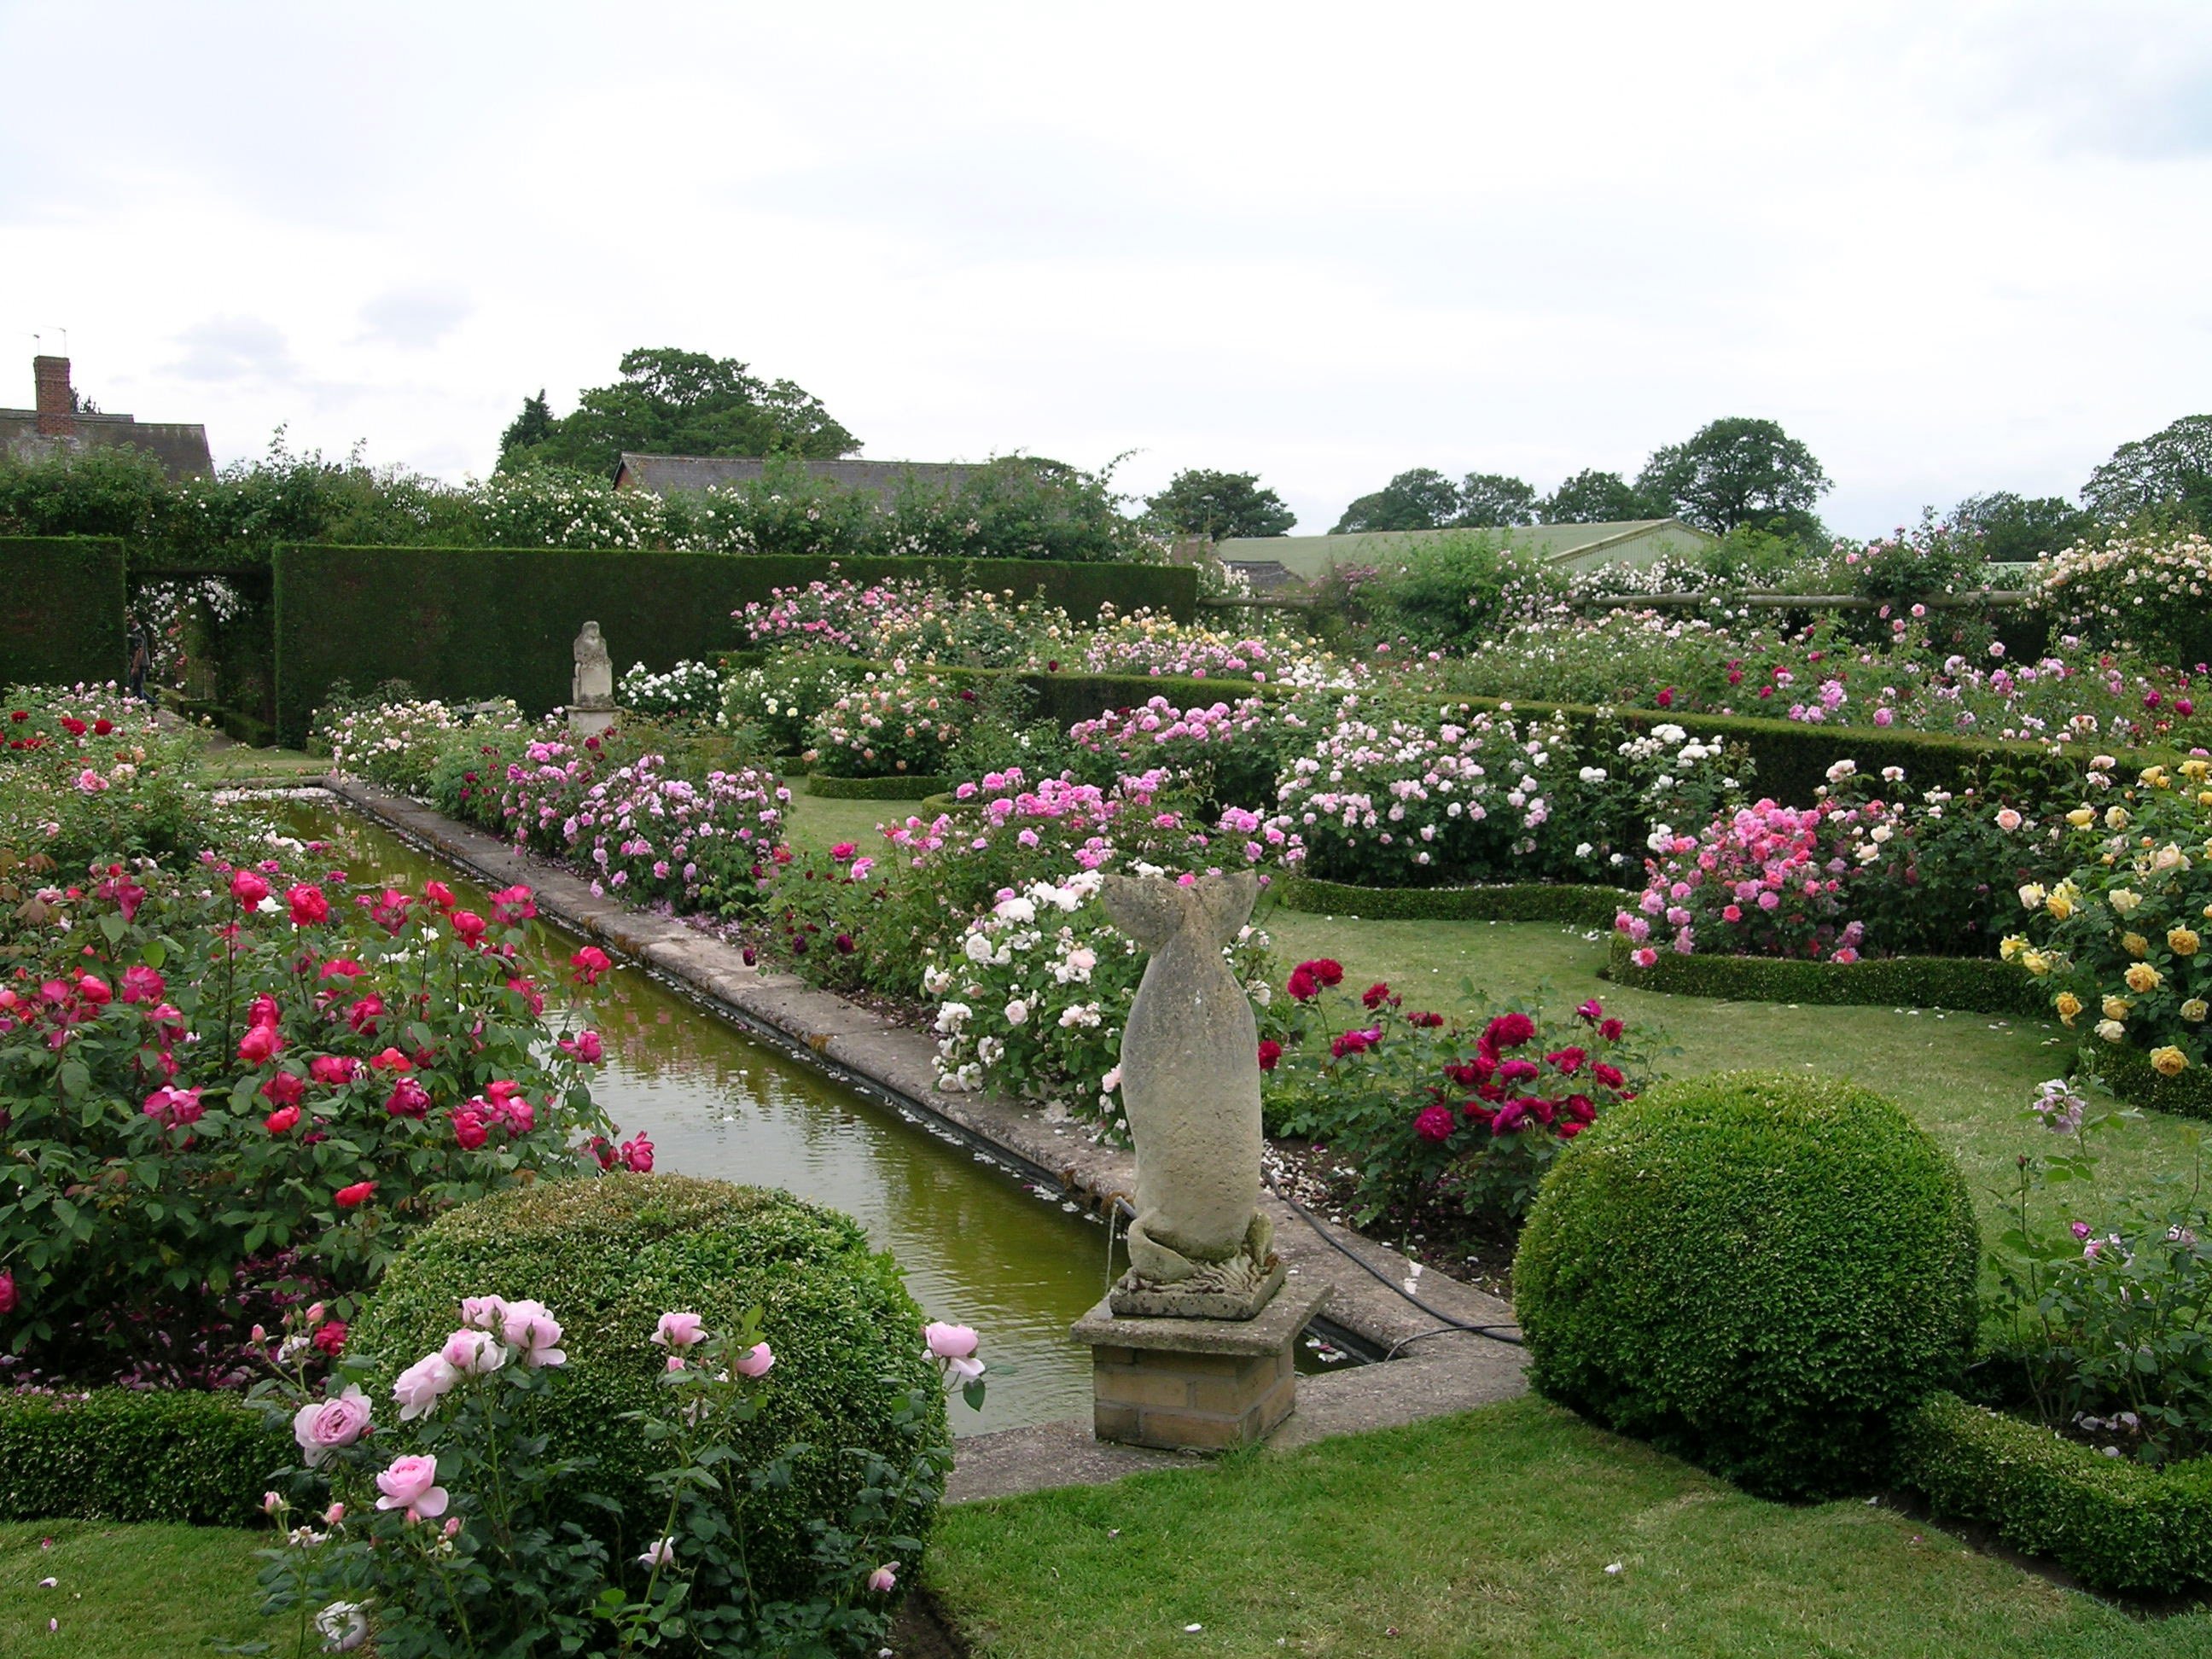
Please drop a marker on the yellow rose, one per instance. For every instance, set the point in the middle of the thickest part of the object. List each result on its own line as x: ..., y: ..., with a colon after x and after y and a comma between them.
x: 2135, y: 944
x: 2154, y: 776
x: 2123, y: 901
x: 2142, y: 979
x: 2196, y: 770
x: 2010, y: 946
x: 2080, y: 817
x: 2195, y: 1009
x: 2181, y: 941
x: 2204, y: 798
x: 2168, y: 1062
x: 2036, y: 963
x: 2060, y: 905
x: 2032, y: 896
x: 2069, y: 1006
x: 2112, y: 1031
x: 2116, y: 1009
x: 2116, y: 817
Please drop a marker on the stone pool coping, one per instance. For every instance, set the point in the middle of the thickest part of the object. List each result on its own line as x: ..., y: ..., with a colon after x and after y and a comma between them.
x: 1450, y: 1371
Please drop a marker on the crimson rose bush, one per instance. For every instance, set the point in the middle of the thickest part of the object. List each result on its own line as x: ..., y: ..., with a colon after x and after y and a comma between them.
x: 214, y: 1078
x: 1431, y: 1112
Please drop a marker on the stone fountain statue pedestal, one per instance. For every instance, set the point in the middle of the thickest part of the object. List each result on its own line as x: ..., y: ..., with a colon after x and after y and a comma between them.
x: 591, y: 687
x: 1192, y: 1347
x: 1196, y: 1384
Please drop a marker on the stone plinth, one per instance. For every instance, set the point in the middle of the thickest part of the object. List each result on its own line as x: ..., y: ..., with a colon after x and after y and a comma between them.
x: 1195, y: 1384
x: 590, y: 722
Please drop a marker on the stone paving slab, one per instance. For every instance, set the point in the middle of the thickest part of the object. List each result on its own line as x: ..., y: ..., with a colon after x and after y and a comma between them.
x: 1455, y: 1372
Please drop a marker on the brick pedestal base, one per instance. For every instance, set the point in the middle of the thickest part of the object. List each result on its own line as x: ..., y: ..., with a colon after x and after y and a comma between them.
x: 1195, y: 1384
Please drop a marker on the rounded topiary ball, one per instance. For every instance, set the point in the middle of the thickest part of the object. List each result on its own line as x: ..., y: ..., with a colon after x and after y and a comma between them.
x: 1756, y: 1272
x: 609, y: 1256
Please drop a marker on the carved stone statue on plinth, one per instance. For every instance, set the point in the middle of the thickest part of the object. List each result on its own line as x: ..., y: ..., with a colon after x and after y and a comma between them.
x: 591, y: 688
x: 1190, y: 1082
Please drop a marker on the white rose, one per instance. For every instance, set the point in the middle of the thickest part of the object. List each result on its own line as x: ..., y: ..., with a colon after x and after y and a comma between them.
x: 1016, y: 1011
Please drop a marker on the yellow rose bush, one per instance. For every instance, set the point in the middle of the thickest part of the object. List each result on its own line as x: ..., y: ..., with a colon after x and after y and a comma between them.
x: 2116, y: 946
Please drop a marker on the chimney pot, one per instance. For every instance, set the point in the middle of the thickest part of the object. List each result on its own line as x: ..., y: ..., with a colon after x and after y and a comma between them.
x: 57, y: 407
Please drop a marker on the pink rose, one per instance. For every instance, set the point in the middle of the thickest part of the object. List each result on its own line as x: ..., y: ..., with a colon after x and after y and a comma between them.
x: 755, y: 1361
x: 530, y: 1327
x: 473, y: 1353
x: 884, y: 1578
x: 422, y: 1385
x: 949, y: 1341
x: 679, y: 1330
x: 485, y: 1313
x: 322, y: 1427
x: 412, y: 1484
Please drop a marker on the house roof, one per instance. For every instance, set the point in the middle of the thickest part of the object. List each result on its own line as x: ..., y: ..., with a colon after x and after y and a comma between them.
x: 1311, y: 557
x: 181, y: 447
x: 669, y: 475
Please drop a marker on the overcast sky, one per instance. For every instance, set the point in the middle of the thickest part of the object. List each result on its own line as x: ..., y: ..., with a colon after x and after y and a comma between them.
x: 1953, y: 248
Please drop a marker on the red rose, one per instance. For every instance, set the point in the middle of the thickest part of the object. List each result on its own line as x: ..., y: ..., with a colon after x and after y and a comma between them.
x: 589, y: 963
x: 247, y: 888
x: 8, y: 1298
x: 1609, y: 1075
x: 353, y: 1197
x: 286, y: 1089
x: 408, y: 1098
x: 1611, y: 1030
x: 283, y: 1120
x: 1301, y: 985
x: 1509, y: 1031
x: 1434, y: 1123
x: 332, y: 1338
x: 309, y: 907
x: 470, y: 1131
x: 260, y: 1045
x: 1375, y: 996
x: 1270, y: 1052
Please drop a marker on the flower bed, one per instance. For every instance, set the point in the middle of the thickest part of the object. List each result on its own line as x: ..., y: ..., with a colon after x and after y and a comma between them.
x: 890, y: 725
x: 86, y: 774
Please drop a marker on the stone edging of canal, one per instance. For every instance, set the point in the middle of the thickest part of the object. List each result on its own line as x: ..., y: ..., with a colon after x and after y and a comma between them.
x: 1444, y: 1370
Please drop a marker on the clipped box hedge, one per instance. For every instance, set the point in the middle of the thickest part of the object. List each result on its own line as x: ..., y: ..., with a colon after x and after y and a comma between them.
x: 1592, y: 907
x: 202, y: 1458
x: 2117, y: 1526
x: 2128, y: 1074
x: 62, y: 621
x: 467, y: 623
x: 897, y: 787
x: 1979, y: 985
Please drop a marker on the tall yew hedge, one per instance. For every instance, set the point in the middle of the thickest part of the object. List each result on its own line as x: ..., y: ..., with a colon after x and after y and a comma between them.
x: 466, y: 623
x: 62, y: 619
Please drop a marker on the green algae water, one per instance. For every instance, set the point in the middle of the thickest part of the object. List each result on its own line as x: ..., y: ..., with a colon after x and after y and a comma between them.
x: 977, y: 1245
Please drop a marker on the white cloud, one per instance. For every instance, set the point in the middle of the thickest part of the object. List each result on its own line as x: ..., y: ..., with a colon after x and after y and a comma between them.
x: 1952, y: 246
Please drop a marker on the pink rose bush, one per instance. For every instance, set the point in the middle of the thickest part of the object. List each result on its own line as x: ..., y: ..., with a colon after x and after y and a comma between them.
x: 449, y: 1528
x: 888, y: 724
x: 906, y: 618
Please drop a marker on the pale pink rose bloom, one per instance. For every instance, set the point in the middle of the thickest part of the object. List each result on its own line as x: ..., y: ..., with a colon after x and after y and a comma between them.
x: 680, y: 1330
x: 661, y: 1553
x: 322, y: 1427
x: 270, y: 1502
x: 333, y: 1515
x: 884, y: 1578
x: 950, y: 1341
x: 472, y: 1353
x: 422, y: 1385
x: 412, y: 1484
x: 452, y: 1526
x: 530, y: 1327
x: 485, y: 1313
x: 676, y: 1362
x: 755, y: 1360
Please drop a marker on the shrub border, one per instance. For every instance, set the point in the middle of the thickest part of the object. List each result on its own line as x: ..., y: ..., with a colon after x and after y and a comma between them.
x: 197, y: 1456
x: 1592, y: 907
x: 2114, y: 1525
x: 1977, y: 985
x: 66, y: 596
x: 2127, y: 1072
x: 917, y: 786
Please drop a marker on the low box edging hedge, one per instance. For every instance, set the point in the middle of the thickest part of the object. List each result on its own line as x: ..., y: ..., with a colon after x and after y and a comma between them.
x: 2127, y: 1071
x: 197, y: 1456
x: 1979, y: 985
x: 919, y: 786
x: 1511, y: 901
x: 2115, y: 1525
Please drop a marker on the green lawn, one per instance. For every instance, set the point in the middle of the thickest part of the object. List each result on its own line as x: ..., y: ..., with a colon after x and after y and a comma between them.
x: 127, y: 1592
x: 1491, y: 1535
x: 1966, y: 1077
x: 238, y: 761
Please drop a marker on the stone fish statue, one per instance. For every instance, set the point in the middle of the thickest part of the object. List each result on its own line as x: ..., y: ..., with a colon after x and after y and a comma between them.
x: 1190, y: 1082
x: 593, y: 684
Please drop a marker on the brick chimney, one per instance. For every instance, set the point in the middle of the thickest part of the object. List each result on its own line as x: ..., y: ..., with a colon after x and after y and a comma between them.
x: 57, y: 408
